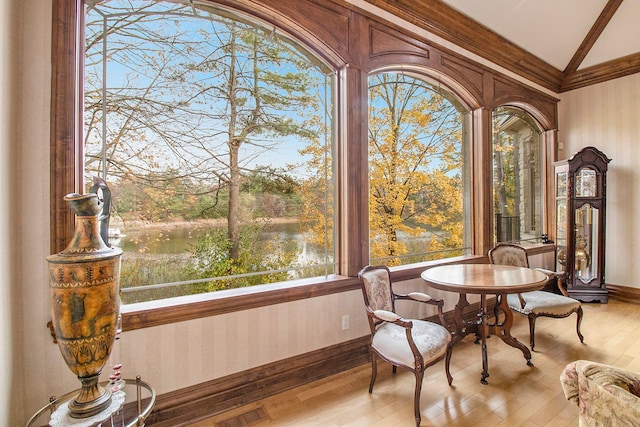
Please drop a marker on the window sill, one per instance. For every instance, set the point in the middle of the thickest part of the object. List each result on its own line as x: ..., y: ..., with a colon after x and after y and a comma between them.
x: 156, y: 313
x: 161, y: 312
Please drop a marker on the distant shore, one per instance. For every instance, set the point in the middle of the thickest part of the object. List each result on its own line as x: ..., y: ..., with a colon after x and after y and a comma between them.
x: 138, y: 225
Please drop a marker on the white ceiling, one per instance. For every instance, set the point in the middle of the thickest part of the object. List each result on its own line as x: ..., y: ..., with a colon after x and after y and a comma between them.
x: 553, y: 30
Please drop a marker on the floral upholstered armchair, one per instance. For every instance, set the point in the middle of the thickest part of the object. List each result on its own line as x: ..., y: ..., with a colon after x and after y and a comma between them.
x: 412, y: 344
x: 607, y: 396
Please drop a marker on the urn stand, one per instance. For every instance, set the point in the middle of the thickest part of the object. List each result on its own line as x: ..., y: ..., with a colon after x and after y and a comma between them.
x: 84, y: 293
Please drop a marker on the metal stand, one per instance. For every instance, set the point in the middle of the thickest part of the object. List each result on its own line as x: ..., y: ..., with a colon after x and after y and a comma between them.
x: 43, y: 416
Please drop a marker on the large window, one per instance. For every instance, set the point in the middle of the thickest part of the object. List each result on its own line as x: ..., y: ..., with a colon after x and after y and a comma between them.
x: 517, y: 176
x: 215, y: 136
x: 418, y: 173
x: 284, y: 144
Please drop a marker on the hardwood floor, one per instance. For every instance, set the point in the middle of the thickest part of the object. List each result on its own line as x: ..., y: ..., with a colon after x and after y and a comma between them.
x: 517, y: 395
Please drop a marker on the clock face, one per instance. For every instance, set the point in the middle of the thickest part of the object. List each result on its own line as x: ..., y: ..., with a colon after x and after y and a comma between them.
x: 586, y: 183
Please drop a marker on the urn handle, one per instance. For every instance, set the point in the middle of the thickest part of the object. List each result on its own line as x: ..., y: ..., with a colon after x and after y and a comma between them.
x: 100, y: 185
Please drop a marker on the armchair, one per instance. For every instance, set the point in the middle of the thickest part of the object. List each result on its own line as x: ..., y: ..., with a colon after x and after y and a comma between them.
x: 607, y: 396
x: 537, y: 303
x: 407, y: 343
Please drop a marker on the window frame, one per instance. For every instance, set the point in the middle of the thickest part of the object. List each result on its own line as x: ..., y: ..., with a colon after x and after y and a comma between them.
x: 540, y: 134
x: 109, y: 54
x: 463, y: 106
x: 354, y: 60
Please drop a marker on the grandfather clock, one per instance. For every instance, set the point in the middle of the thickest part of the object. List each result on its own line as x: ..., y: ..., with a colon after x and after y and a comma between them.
x: 581, y: 184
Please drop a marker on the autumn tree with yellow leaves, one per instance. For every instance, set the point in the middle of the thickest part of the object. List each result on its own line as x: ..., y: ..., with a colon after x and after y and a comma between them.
x: 415, y: 170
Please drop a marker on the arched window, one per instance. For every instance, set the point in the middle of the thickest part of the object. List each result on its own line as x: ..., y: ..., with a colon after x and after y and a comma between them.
x: 418, y: 171
x: 517, y: 176
x: 248, y: 122
x: 215, y: 135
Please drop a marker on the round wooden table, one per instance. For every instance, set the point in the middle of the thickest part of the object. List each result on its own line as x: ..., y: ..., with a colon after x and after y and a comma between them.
x: 485, y: 279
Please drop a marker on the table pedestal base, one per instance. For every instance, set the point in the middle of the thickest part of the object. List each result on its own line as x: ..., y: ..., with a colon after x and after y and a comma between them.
x: 483, y: 329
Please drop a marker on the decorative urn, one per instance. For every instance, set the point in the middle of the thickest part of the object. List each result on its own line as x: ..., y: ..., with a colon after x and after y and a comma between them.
x: 84, y: 284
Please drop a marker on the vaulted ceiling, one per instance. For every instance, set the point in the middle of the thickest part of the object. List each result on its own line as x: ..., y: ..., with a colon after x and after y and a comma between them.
x: 558, y: 44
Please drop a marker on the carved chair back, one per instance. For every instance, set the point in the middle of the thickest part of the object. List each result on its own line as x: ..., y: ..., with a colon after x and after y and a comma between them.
x: 509, y: 254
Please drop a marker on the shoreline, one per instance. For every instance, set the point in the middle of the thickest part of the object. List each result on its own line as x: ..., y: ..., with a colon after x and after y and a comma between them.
x: 139, y: 225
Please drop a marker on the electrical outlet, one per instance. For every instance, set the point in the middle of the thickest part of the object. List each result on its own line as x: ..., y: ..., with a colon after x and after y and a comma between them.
x: 345, y: 322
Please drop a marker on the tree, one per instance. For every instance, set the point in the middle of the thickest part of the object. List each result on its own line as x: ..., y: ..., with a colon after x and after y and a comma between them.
x: 504, y: 164
x: 198, y: 97
x: 249, y: 97
x: 415, y: 172
x: 134, y: 117
x: 264, y: 258
x: 317, y: 215
x: 415, y: 160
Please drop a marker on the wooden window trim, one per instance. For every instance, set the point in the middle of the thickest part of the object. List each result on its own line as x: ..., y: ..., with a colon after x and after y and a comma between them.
x: 156, y: 313
x: 66, y: 149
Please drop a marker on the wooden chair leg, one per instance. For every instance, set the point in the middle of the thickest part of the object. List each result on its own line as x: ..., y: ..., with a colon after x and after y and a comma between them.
x: 374, y: 371
x: 578, y: 323
x: 416, y: 398
x: 532, y: 330
x: 447, y: 362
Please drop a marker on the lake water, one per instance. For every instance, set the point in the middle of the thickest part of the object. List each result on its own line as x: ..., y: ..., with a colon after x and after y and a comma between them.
x: 155, y: 256
x: 179, y: 239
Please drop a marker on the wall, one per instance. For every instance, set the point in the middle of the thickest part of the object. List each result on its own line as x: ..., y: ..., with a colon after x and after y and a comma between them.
x: 607, y: 116
x: 35, y: 369
x: 7, y: 321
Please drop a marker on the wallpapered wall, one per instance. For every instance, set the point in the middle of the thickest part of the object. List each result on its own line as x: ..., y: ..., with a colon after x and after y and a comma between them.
x: 7, y: 322
x: 35, y: 371
x: 607, y: 116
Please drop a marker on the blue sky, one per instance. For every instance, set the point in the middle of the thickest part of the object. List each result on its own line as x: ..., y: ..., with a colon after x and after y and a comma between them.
x: 131, y: 71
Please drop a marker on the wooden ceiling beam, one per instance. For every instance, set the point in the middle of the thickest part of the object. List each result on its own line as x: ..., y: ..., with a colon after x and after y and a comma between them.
x: 592, y: 36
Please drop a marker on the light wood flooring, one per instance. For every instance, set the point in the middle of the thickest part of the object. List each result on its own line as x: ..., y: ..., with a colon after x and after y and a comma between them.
x: 517, y: 395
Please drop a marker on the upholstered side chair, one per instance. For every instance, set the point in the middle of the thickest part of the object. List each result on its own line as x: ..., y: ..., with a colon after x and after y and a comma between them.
x: 408, y: 343
x: 536, y: 303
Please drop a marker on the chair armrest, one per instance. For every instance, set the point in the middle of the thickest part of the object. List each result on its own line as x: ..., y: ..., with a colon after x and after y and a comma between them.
x: 547, y: 272
x: 387, y: 316
x: 419, y: 296
x: 569, y: 383
x: 426, y: 299
x: 391, y: 317
x: 560, y: 283
x: 559, y: 276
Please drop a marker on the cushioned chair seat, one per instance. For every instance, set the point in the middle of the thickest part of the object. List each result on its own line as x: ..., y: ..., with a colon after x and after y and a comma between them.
x: 390, y: 340
x: 541, y: 302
